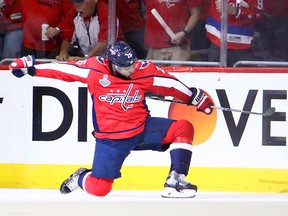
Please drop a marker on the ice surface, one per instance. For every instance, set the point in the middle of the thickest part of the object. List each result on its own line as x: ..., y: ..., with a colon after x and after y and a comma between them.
x: 34, y: 202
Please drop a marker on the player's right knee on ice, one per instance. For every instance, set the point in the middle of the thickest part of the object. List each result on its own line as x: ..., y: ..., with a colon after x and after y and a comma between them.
x: 98, y: 186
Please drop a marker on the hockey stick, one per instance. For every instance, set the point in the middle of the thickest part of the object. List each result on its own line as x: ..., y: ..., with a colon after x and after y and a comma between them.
x: 162, y: 23
x: 268, y: 112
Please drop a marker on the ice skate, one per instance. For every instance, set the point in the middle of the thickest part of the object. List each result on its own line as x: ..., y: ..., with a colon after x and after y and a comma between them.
x: 71, y: 183
x: 177, y: 187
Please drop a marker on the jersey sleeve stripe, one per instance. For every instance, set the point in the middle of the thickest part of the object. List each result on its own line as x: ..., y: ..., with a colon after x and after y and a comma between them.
x: 65, y: 68
x: 169, y: 82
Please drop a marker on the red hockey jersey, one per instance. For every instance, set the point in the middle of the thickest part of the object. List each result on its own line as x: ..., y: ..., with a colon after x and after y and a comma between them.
x: 240, y: 29
x: 119, y: 106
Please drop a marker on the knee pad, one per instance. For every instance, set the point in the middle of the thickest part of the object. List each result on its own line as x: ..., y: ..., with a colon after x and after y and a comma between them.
x: 181, y: 131
x: 97, y: 186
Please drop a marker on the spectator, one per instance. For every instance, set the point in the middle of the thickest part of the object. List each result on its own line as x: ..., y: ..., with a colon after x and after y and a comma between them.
x: 181, y: 17
x: 273, y: 31
x: 131, y: 21
x: 199, y: 42
x: 12, y: 28
x: 35, y: 14
x: 2, y: 26
x: 242, y: 16
x: 86, y: 27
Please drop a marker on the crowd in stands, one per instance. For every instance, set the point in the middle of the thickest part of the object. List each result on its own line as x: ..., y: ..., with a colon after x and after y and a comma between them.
x: 76, y: 29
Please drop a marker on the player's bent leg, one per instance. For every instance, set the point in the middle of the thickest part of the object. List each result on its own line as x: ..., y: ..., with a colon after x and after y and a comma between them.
x: 180, y: 134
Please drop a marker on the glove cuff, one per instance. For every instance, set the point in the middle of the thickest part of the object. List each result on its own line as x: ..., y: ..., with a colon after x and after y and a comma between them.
x: 196, y: 97
x: 28, y: 61
x: 31, y: 71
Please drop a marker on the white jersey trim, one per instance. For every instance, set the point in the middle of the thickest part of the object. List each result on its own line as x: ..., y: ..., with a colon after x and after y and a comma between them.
x: 231, y: 38
x: 181, y: 146
x: 65, y: 68
x: 168, y: 83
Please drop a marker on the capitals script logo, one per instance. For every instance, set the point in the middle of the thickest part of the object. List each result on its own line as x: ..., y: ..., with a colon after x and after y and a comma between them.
x: 124, y: 98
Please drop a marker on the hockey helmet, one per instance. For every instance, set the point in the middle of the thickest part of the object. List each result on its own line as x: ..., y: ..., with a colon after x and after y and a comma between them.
x: 123, y: 57
x: 121, y: 54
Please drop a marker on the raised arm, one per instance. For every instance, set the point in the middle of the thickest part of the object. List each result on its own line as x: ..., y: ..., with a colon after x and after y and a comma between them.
x: 165, y: 84
x: 68, y: 72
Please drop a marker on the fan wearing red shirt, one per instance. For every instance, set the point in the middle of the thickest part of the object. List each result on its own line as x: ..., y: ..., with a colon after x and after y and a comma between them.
x: 131, y: 21
x: 181, y: 16
x: 11, y: 21
x: 242, y: 16
x: 36, y: 13
x: 273, y: 31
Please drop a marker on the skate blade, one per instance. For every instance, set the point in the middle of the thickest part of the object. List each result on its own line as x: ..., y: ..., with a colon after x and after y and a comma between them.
x: 173, y: 193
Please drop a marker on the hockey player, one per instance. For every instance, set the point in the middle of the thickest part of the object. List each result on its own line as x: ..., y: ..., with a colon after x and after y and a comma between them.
x: 121, y: 119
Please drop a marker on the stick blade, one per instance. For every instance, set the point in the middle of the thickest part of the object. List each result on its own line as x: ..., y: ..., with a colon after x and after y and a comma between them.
x: 270, y: 111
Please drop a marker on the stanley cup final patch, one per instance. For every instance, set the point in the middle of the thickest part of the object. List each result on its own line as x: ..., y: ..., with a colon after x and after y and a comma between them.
x: 104, y: 81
